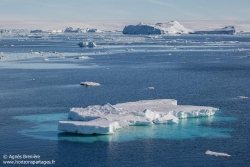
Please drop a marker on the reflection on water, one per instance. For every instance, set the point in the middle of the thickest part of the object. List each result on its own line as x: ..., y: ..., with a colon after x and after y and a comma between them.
x: 45, y: 127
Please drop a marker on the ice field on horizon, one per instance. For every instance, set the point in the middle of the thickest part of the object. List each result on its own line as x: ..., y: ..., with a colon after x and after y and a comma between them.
x: 61, y: 50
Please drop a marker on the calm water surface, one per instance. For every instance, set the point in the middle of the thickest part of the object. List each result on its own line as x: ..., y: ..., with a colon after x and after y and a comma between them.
x: 195, y: 70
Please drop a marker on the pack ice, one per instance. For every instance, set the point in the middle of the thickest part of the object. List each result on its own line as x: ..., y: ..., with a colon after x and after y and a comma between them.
x: 106, y: 119
x: 172, y: 27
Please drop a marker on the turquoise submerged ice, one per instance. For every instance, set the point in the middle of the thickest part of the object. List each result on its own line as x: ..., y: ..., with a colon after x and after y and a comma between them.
x: 45, y: 127
x: 108, y: 118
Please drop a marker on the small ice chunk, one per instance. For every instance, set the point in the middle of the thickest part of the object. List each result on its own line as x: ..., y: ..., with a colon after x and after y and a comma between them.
x: 243, y: 97
x: 82, y: 57
x: 87, y: 44
x: 90, y: 83
x: 151, y: 88
x: 217, y: 154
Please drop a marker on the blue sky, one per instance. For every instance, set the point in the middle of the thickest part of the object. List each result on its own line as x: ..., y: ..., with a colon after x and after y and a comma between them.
x: 76, y: 10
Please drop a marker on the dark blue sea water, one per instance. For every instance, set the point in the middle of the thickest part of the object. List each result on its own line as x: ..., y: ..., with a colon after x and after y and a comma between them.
x: 193, y: 69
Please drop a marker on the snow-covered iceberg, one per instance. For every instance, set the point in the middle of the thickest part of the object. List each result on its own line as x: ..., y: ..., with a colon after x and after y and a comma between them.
x: 172, y: 27
x: 105, y: 119
x: 231, y: 30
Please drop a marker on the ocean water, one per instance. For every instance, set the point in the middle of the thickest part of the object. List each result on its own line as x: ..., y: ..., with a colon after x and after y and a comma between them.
x: 193, y: 69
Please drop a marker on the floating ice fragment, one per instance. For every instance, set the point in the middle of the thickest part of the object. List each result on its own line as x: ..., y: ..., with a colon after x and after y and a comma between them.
x: 82, y: 57
x: 151, y: 87
x: 217, y: 154
x: 87, y: 44
x: 243, y: 97
x: 90, y: 83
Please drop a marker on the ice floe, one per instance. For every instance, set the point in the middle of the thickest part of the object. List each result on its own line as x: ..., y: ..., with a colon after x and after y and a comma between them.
x: 172, y: 27
x: 145, y: 112
x: 217, y: 154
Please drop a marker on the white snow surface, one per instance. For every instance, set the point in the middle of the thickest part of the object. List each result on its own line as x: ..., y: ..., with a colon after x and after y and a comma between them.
x: 217, y: 154
x: 172, y: 27
x: 144, y: 112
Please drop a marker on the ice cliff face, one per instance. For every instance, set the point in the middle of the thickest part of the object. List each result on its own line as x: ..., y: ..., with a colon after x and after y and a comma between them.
x: 172, y: 27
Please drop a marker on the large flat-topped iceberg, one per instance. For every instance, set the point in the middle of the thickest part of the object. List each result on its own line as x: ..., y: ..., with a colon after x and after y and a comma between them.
x: 172, y: 27
x: 105, y: 119
x: 231, y: 30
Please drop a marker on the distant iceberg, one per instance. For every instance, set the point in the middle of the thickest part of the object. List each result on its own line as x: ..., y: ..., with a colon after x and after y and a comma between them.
x: 37, y: 31
x: 72, y: 30
x: 107, y: 118
x: 230, y: 30
x: 172, y: 27
x: 93, y: 30
x: 44, y: 31
x: 78, y: 30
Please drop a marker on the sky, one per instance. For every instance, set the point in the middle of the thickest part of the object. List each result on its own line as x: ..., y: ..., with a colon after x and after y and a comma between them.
x: 77, y: 10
